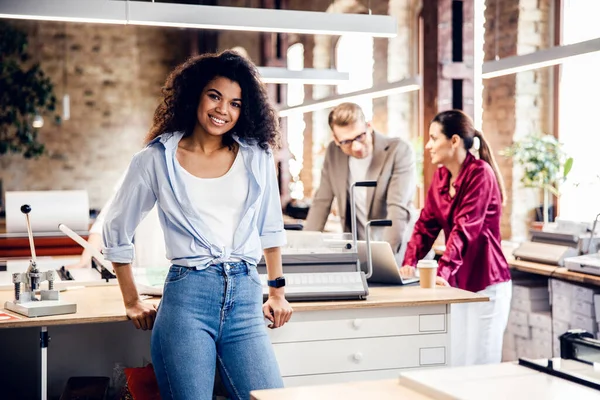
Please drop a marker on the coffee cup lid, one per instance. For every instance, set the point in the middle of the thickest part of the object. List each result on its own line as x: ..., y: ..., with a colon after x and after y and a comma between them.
x: 427, y: 264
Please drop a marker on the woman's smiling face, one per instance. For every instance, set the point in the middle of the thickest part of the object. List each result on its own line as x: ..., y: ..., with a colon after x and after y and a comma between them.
x: 220, y: 106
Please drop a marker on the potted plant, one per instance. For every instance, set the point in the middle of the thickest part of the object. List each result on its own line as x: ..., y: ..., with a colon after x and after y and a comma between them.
x: 26, y: 95
x: 544, y: 162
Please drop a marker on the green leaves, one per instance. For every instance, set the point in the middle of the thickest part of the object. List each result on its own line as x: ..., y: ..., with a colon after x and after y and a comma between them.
x: 545, y: 164
x: 25, y: 91
x: 567, y: 167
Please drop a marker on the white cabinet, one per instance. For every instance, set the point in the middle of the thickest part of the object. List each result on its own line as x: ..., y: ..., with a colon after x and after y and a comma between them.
x: 329, y: 346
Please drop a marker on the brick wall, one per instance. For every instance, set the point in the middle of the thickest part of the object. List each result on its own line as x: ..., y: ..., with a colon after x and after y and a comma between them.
x: 501, y: 23
x: 532, y: 106
x: 519, y: 104
x: 113, y: 77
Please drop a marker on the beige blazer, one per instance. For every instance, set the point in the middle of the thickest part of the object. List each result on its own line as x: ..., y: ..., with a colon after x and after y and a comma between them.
x: 392, y: 166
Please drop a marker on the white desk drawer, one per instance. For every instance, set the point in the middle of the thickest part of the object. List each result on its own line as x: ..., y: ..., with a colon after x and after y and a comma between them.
x: 363, y: 323
x: 335, y: 356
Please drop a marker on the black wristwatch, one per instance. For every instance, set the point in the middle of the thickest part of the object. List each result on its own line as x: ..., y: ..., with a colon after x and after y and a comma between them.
x: 277, y: 282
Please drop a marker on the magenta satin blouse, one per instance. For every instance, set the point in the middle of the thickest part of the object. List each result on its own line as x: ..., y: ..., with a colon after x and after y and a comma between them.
x: 473, y: 259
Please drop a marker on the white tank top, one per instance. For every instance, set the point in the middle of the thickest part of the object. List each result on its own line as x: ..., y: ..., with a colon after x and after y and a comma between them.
x: 219, y: 201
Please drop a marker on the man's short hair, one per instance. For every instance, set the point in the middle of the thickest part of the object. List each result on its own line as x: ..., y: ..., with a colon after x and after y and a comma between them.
x: 346, y: 114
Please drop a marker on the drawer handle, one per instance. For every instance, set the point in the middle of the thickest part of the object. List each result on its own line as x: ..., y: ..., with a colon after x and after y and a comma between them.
x: 357, y: 357
x: 357, y: 323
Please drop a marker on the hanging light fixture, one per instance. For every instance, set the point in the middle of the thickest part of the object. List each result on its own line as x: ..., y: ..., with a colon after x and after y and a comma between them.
x: 38, y: 121
x: 539, y: 59
x: 383, y: 90
x: 307, y: 76
x: 200, y: 17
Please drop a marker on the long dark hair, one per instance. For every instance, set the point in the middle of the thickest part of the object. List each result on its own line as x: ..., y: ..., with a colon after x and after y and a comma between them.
x: 456, y: 122
x: 181, y: 93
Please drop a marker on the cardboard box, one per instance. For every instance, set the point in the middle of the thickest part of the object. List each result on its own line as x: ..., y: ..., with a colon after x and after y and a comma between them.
x: 542, y: 320
x: 541, y: 335
x: 597, y: 306
x: 530, y: 292
x: 542, y: 349
x: 509, y: 355
x: 524, y: 347
x: 530, y: 305
x: 522, y: 331
x: 559, y: 327
x: 560, y: 287
x: 584, y: 293
x: 583, y: 308
x: 581, y: 322
x: 561, y: 300
x: 561, y: 314
x: 518, y: 317
x: 556, y: 347
x: 508, y: 342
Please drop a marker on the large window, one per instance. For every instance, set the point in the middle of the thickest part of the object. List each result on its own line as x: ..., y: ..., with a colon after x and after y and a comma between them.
x: 295, y: 122
x: 354, y: 54
x: 579, y: 128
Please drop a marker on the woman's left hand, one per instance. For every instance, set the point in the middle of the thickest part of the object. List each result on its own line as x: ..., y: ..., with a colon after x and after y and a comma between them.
x: 439, y: 281
x: 277, y: 310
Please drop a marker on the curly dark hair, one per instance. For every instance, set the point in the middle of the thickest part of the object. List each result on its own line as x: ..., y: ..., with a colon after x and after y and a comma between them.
x: 258, y: 123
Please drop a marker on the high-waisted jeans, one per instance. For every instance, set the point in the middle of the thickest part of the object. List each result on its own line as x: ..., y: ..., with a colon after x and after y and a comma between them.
x: 212, y: 318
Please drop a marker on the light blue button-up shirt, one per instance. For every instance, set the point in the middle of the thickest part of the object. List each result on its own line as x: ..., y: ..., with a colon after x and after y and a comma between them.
x: 152, y: 178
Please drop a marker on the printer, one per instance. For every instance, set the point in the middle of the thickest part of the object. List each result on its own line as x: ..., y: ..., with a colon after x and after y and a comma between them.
x: 559, y: 241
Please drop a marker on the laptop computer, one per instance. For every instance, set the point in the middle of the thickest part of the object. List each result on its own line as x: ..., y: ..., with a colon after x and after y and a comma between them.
x: 385, y: 267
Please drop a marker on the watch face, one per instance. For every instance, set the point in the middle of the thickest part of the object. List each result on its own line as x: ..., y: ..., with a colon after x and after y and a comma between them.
x: 277, y: 282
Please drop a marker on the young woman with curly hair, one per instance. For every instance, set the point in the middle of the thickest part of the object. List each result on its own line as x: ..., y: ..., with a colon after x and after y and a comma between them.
x: 209, y: 167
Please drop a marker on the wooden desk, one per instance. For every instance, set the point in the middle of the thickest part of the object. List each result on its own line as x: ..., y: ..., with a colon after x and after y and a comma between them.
x: 554, y: 271
x: 381, y: 390
x: 540, y: 269
x: 325, y: 342
x: 490, y: 382
x: 104, y: 303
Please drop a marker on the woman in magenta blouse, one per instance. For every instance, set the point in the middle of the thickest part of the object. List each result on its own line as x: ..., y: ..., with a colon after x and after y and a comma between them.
x: 465, y: 200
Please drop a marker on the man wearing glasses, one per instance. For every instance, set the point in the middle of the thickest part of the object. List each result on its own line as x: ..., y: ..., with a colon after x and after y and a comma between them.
x: 358, y: 153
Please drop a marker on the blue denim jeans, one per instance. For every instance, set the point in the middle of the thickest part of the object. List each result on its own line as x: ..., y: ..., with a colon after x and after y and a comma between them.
x: 207, y: 319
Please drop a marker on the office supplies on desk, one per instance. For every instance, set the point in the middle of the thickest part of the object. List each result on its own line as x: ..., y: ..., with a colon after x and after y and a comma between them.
x: 27, y: 283
x: 51, y: 208
x: 544, y: 253
x: 586, y: 264
x: 64, y: 274
x: 322, y: 286
x: 320, y: 266
x: 559, y: 241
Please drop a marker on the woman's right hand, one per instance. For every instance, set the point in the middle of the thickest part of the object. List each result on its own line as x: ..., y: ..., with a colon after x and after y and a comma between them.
x: 408, y: 271
x: 84, y: 262
x: 141, y: 314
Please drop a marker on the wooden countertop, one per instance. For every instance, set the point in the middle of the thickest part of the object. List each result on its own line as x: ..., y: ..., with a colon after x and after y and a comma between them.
x: 104, y: 303
x: 381, y: 390
x: 492, y: 382
x: 540, y: 269
x: 553, y: 271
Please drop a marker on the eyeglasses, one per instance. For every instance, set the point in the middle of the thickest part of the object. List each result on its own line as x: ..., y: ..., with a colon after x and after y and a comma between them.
x: 348, y: 142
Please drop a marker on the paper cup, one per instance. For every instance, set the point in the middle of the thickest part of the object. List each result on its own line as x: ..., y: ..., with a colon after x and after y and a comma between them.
x: 427, y: 273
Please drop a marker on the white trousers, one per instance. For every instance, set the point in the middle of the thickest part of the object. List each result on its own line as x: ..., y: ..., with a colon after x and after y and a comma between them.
x: 477, y: 329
